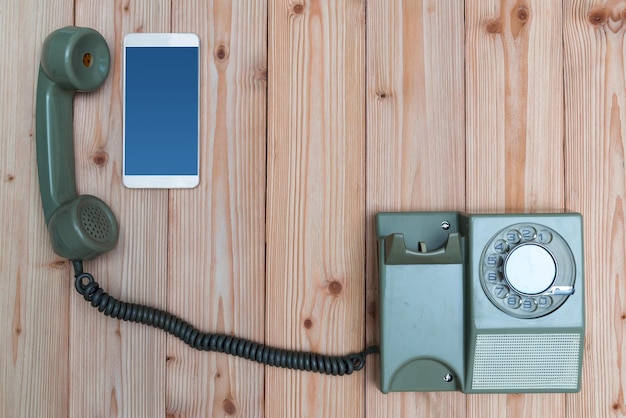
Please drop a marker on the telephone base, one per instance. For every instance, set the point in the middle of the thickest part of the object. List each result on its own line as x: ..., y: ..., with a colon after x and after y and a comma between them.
x: 480, y: 303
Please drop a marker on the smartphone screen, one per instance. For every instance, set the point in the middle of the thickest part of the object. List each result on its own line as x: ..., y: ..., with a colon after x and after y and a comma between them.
x: 161, y: 110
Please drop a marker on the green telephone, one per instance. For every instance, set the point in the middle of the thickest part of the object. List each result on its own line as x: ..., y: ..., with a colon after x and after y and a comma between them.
x: 481, y: 303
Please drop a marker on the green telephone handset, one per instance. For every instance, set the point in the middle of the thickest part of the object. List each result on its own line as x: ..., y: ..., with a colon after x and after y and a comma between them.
x: 73, y: 59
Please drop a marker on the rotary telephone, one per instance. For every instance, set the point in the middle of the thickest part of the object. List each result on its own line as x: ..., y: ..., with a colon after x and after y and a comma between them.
x: 496, y: 306
x: 481, y: 303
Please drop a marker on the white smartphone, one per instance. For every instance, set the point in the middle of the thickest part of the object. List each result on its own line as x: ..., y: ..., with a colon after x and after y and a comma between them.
x: 161, y: 128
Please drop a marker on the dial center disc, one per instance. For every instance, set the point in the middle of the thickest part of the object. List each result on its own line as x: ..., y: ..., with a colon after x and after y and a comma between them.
x: 530, y: 269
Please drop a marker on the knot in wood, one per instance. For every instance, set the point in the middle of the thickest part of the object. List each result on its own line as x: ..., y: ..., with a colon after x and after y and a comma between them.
x: 297, y: 8
x: 335, y: 288
x: 522, y: 13
x: 494, y: 26
x: 229, y: 407
x: 100, y: 158
x: 221, y: 53
x: 598, y: 17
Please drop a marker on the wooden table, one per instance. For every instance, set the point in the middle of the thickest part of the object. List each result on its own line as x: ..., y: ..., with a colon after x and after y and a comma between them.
x: 316, y: 114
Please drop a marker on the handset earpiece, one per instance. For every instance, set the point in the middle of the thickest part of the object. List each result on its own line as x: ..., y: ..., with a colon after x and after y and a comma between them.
x: 72, y: 59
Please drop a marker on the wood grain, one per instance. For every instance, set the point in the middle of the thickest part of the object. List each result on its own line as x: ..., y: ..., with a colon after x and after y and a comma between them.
x: 34, y: 284
x: 514, y: 126
x: 514, y: 65
x: 217, y: 231
x: 415, y: 148
x: 491, y: 105
x: 595, y: 117
x: 315, y: 200
x: 125, y: 362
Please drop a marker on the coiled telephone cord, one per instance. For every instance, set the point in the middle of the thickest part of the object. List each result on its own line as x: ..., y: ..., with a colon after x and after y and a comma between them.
x: 204, y: 341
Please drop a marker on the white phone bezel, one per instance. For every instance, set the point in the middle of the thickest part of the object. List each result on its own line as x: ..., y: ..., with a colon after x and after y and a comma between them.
x: 158, y: 181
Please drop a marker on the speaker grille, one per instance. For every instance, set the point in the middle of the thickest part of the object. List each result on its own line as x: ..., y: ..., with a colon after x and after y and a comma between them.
x: 526, y: 362
x: 96, y: 223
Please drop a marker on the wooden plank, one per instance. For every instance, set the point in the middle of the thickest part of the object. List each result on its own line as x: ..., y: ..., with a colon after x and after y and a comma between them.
x: 595, y: 117
x: 118, y: 369
x: 315, y: 200
x: 415, y: 148
x: 217, y: 231
x: 34, y: 281
x: 514, y: 106
x: 514, y: 96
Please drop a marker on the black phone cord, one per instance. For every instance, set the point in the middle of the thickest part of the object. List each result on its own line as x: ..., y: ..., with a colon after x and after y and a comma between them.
x: 204, y: 341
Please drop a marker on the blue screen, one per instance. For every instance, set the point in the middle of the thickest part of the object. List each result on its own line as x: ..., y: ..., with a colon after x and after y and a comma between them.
x: 161, y: 115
